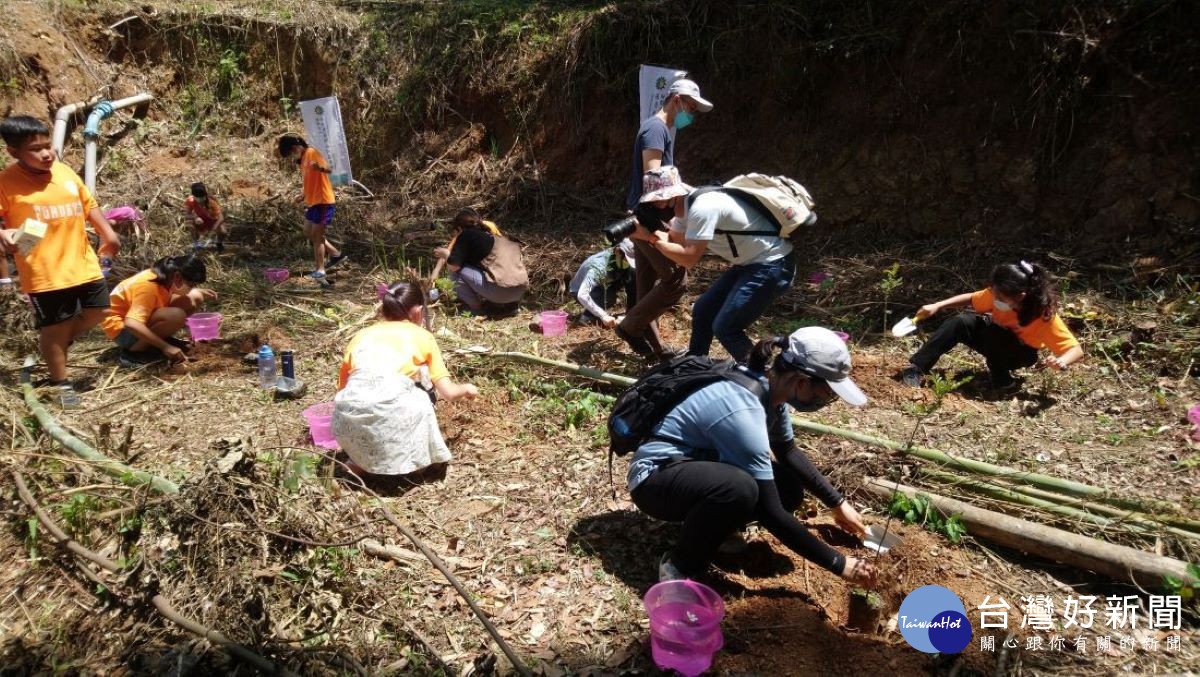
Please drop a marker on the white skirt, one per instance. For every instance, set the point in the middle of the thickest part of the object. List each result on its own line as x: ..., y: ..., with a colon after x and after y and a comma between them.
x: 386, y: 424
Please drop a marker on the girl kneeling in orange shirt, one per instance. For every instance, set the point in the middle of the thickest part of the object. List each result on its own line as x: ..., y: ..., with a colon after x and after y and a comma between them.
x: 146, y: 309
x: 1014, y: 318
x: 382, y: 418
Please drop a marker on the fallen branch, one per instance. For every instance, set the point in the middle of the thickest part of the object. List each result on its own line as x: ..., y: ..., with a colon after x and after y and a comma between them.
x: 1115, y: 561
x: 161, y: 604
x: 607, y: 377
x: 122, y: 472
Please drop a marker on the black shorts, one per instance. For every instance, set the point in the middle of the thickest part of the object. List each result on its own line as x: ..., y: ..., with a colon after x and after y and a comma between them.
x: 58, y: 306
x: 126, y: 339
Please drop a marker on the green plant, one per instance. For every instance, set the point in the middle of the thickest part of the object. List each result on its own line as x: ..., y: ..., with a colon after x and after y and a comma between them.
x: 891, y: 282
x: 919, y: 510
x: 77, y: 513
x: 1185, y: 590
x: 301, y: 467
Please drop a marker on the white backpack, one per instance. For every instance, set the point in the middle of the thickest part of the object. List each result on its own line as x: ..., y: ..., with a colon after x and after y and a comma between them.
x: 782, y: 201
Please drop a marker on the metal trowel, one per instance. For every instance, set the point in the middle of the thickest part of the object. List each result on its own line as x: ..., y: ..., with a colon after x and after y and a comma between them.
x: 879, y: 540
x: 905, y: 327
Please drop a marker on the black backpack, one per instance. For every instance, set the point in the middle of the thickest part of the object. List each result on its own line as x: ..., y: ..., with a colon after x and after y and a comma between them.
x: 658, y: 391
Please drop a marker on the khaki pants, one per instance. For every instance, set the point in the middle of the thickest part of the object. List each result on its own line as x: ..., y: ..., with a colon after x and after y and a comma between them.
x: 660, y: 284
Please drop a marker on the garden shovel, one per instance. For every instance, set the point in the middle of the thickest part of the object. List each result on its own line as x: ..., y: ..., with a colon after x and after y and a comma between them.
x: 880, y: 540
x: 905, y: 327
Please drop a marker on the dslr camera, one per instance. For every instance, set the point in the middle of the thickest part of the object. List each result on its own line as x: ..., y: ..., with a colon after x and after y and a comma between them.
x: 645, y: 214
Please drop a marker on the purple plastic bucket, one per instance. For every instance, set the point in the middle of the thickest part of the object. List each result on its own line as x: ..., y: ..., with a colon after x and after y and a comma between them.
x: 204, y: 326
x: 685, y: 625
x: 553, y: 322
x: 320, y: 425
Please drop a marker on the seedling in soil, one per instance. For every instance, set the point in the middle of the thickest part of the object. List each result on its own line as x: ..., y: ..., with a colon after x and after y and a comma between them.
x: 919, y: 510
x: 891, y: 282
x: 1185, y: 591
x: 866, y: 609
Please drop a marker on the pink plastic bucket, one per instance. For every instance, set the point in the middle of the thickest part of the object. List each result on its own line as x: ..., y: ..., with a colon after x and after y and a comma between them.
x: 1194, y: 417
x: 843, y: 336
x: 276, y: 275
x: 204, y: 326
x: 320, y: 420
x: 554, y: 322
x: 685, y: 625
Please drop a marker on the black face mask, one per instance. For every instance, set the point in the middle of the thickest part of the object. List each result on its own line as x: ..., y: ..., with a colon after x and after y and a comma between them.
x: 653, y: 218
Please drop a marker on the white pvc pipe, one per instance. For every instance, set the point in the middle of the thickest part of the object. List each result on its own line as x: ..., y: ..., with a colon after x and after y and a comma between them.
x: 91, y: 135
x: 61, y: 118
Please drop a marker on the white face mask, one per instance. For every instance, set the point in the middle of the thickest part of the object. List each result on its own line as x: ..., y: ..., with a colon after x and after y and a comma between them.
x: 1001, y: 305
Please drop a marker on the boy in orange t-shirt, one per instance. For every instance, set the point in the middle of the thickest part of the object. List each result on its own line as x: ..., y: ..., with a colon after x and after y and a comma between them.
x: 61, y: 273
x: 206, y: 216
x: 1014, y: 318
x: 317, y: 197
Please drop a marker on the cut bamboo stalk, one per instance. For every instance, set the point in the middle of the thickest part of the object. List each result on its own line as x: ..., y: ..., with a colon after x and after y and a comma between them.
x: 607, y: 377
x: 122, y: 472
x: 1010, y: 495
x: 1189, y: 525
x: 1056, y: 484
x: 1115, y: 561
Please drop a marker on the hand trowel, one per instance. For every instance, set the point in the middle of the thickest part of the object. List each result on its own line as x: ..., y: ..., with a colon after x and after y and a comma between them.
x: 905, y: 327
x: 879, y: 541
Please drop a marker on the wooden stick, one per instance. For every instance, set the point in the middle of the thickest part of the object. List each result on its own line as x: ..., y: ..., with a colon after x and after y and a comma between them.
x: 1115, y: 561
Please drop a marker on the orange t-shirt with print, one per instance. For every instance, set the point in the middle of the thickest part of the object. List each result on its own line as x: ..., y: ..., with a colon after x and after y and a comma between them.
x: 317, y: 188
x: 64, y: 258
x: 208, y: 212
x: 1040, y: 333
x: 135, y: 298
x: 400, y: 346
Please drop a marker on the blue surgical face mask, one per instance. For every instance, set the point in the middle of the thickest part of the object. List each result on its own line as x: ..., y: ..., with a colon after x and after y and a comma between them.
x: 1001, y: 305
x: 683, y: 119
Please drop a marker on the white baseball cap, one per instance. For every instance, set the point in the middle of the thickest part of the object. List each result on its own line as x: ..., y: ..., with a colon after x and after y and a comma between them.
x: 691, y: 90
x: 819, y: 352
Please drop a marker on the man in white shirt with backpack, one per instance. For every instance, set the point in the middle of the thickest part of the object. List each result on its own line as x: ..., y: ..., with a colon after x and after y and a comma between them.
x: 747, y: 223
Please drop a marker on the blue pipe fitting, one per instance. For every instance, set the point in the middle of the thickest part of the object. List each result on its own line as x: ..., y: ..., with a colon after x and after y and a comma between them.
x: 102, y: 110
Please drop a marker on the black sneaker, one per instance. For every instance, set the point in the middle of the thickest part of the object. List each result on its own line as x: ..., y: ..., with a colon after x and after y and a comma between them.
x: 639, y: 344
x: 1004, y: 381
x: 132, y: 360
x: 911, y: 377
x: 334, y: 261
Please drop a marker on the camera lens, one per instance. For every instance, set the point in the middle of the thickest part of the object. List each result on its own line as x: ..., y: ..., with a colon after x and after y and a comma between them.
x: 615, y: 232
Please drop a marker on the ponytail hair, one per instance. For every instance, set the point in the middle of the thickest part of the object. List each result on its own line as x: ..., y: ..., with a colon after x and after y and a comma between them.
x: 1033, y: 280
x: 289, y: 141
x: 467, y: 217
x: 400, y: 299
x: 763, y: 352
x: 189, y: 266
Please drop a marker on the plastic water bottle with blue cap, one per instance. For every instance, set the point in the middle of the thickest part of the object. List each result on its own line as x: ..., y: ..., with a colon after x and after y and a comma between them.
x: 266, y: 367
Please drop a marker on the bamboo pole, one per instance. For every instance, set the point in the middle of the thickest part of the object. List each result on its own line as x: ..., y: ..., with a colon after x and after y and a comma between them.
x: 1189, y: 525
x: 1010, y: 495
x: 1062, y: 486
x: 607, y: 377
x: 1115, y: 561
x: 124, y: 473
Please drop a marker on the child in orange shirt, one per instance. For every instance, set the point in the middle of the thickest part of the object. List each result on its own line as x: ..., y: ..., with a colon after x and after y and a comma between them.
x: 382, y: 418
x: 61, y: 274
x: 317, y: 197
x: 206, y: 216
x: 1014, y: 318
x: 147, y: 308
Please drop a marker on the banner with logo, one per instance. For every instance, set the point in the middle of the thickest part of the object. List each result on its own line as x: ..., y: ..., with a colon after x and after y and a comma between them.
x: 653, y: 83
x: 323, y: 129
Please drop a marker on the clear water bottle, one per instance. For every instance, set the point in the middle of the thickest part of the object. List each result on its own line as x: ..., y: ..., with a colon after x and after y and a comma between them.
x: 266, y: 367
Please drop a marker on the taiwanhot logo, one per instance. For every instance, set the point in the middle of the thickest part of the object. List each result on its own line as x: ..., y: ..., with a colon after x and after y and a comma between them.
x: 934, y: 620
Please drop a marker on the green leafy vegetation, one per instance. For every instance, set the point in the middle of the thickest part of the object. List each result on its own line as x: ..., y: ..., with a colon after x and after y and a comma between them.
x: 919, y: 510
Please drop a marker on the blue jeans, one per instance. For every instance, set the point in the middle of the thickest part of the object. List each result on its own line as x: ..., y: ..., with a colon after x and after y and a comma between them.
x: 739, y: 297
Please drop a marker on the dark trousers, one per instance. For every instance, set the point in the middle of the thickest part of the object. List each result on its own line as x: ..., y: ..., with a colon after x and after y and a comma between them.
x: 735, y: 301
x: 712, y: 499
x: 1001, y: 348
x: 660, y: 284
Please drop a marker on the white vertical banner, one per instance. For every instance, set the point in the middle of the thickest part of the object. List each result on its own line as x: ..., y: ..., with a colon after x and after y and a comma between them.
x: 323, y: 127
x: 653, y: 83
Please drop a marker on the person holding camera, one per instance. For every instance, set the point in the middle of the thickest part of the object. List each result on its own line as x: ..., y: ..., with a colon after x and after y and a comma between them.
x: 737, y: 229
x: 659, y: 281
